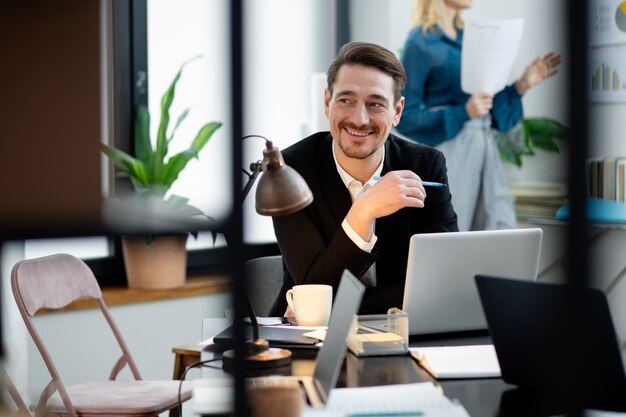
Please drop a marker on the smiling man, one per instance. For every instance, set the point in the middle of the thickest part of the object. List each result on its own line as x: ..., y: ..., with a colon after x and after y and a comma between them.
x: 367, y: 186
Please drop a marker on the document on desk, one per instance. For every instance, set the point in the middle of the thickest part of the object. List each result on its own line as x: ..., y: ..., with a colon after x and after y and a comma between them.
x: 454, y: 362
x: 489, y: 49
x: 418, y: 399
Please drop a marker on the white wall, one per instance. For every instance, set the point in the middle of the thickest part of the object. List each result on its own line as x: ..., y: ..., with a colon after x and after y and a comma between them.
x: 14, y: 335
x: 607, y: 129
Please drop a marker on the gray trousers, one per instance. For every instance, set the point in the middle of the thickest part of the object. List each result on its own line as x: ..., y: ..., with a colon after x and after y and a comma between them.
x: 480, y: 193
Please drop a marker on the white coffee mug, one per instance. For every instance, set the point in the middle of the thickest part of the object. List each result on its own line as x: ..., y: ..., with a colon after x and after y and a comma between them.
x: 311, y: 303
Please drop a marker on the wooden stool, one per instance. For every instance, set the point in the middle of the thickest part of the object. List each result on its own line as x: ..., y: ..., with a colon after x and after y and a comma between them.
x: 185, y: 356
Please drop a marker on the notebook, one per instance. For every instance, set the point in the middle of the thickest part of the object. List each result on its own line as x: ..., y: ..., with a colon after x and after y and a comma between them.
x: 279, y: 336
x: 550, y: 339
x: 440, y: 294
x: 330, y: 356
x: 458, y: 362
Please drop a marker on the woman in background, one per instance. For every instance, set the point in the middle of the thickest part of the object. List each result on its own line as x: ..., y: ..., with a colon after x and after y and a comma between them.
x: 438, y: 113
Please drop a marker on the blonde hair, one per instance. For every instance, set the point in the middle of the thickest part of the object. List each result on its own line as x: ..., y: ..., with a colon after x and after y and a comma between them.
x: 426, y: 13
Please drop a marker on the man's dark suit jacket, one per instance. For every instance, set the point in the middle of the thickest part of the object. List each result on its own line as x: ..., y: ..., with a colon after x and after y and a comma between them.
x: 316, y: 249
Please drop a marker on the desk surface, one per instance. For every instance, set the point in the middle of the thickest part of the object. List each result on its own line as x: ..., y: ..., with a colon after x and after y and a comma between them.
x: 481, y: 397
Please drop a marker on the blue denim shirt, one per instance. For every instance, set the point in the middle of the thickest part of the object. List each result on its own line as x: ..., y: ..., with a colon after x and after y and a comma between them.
x: 434, y: 109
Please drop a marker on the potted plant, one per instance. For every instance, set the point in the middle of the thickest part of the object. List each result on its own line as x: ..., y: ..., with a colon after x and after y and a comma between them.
x: 539, y: 187
x: 529, y: 134
x: 158, y: 262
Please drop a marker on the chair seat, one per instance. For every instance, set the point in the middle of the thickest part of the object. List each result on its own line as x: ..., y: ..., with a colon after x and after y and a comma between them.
x: 122, y: 397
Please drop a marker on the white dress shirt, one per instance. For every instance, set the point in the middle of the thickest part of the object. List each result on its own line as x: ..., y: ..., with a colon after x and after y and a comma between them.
x: 355, y: 187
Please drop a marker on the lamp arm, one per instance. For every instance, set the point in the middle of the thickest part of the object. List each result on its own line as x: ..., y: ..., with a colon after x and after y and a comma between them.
x: 256, y: 168
x: 253, y: 320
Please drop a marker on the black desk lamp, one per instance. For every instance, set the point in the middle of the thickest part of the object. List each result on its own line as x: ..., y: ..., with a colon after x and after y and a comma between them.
x: 281, y: 191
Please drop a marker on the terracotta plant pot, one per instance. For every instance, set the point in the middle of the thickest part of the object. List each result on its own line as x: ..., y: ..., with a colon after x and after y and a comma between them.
x: 160, y: 265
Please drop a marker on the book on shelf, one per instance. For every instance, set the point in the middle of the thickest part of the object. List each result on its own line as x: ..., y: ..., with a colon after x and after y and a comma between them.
x: 606, y: 178
x: 608, y: 174
x: 620, y: 179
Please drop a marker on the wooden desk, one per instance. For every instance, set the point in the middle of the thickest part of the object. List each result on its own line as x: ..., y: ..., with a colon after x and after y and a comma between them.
x: 481, y: 397
x: 489, y: 397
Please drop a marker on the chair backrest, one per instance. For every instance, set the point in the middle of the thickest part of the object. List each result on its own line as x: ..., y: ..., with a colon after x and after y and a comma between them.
x: 53, y: 282
x: 264, y: 278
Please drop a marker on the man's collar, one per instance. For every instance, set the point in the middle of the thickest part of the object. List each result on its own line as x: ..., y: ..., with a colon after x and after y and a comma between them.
x: 347, y: 178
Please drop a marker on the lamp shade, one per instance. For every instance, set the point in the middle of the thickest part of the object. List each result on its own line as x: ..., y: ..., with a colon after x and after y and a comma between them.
x: 281, y: 190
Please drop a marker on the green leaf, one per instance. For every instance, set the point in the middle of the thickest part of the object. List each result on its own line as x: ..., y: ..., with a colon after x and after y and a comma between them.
x: 126, y: 163
x: 203, y: 136
x: 143, y: 147
x: 527, y: 138
x: 545, y: 126
x: 166, y: 103
x: 545, y: 142
x: 182, y: 117
x: 177, y: 163
x: 174, y: 166
x: 511, y: 147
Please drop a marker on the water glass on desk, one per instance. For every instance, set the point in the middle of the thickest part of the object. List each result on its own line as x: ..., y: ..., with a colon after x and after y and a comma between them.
x: 311, y: 303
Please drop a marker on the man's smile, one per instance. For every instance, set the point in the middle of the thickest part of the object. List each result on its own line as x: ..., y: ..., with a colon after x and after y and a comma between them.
x: 358, y: 133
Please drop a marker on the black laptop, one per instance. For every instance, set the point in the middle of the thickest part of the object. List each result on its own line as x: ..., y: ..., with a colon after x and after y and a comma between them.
x: 552, y: 339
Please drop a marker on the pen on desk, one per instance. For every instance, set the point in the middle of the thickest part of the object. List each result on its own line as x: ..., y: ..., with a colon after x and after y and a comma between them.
x: 424, y: 183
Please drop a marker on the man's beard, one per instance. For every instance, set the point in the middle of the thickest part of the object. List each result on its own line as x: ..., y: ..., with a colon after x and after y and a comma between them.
x: 357, y: 152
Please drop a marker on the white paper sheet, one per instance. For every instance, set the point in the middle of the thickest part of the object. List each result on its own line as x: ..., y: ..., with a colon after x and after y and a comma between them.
x: 489, y: 49
x: 475, y: 361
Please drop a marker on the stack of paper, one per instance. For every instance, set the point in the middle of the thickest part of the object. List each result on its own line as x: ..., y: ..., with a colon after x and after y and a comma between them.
x: 451, y: 362
x: 423, y: 399
x: 539, y: 199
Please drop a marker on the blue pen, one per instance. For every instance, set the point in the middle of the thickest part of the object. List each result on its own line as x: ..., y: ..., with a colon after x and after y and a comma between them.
x: 424, y: 183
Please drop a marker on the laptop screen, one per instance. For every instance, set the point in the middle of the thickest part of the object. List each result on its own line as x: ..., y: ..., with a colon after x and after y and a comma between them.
x: 440, y: 294
x: 330, y: 357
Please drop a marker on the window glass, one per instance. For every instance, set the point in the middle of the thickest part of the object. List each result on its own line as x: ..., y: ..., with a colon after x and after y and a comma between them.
x: 177, y: 32
x: 84, y: 247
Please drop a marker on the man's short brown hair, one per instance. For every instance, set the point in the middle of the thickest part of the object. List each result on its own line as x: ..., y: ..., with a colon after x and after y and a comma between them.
x: 368, y: 55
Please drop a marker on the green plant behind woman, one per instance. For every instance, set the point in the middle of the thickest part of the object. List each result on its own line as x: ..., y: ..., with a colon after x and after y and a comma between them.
x: 529, y: 134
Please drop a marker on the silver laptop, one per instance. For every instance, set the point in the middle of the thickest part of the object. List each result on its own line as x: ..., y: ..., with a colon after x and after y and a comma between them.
x: 440, y: 294
x: 330, y: 356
